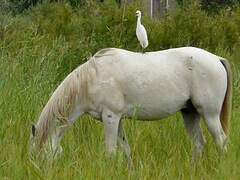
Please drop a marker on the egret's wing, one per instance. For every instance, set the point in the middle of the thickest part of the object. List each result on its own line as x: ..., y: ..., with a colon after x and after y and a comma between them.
x: 138, y: 33
x: 143, y: 36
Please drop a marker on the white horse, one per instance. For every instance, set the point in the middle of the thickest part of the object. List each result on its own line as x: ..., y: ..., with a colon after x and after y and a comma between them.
x: 112, y: 83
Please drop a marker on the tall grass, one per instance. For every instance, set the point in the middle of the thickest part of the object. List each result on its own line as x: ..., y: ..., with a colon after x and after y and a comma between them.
x: 40, y: 47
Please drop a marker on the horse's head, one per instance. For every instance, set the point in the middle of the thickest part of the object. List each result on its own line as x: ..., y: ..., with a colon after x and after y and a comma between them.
x: 48, y: 149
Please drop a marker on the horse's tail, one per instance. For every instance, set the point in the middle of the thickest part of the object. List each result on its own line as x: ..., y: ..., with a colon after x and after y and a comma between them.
x: 227, y: 103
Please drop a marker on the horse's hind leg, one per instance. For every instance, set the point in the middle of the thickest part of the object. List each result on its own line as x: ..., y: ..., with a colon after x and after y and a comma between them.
x: 214, y: 126
x: 211, y: 114
x: 191, y: 121
x: 210, y: 111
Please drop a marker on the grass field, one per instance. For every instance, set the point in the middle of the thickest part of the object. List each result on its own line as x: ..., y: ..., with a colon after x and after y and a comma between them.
x: 41, y: 46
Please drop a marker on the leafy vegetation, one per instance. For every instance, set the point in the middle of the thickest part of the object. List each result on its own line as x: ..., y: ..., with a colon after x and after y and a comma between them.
x: 41, y: 46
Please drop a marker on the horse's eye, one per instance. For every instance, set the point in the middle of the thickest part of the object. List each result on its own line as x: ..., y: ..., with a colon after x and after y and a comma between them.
x: 33, y: 130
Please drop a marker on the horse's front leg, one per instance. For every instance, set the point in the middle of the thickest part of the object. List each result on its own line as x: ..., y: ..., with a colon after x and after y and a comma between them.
x: 111, y: 123
x: 123, y: 142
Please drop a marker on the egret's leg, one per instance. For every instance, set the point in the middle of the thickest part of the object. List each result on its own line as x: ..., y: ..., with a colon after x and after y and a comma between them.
x: 123, y: 142
x: 111, y: 122
x: 191, y: 121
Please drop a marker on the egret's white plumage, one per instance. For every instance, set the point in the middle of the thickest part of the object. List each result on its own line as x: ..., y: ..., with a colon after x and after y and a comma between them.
x: 141, y: 31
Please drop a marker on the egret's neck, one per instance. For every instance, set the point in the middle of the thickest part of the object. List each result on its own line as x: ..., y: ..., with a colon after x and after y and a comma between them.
x: 139, y: 20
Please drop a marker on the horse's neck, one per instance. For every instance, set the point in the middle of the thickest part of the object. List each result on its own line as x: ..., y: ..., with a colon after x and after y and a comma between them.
x: 67, y: 102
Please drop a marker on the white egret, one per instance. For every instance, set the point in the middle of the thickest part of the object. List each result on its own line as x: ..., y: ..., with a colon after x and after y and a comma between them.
x: 141, y: 31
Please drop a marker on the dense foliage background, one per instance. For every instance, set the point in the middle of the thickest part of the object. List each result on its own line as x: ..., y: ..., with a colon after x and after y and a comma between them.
x: 18, y: 6
x: 42, y: 44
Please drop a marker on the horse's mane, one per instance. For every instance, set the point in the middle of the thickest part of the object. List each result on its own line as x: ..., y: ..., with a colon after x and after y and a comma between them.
x: 106, y: 52
x: 74, y: 88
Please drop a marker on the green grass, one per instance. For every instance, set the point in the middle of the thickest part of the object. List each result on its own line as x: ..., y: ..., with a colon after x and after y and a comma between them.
x: 40, y: 47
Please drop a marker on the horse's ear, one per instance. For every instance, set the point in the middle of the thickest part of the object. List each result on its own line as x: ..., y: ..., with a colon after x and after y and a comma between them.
x: 33, y: 130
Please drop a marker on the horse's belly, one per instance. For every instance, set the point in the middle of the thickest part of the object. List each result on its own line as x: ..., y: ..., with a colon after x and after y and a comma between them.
x: 150, y: 107
x: 146, y: 114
